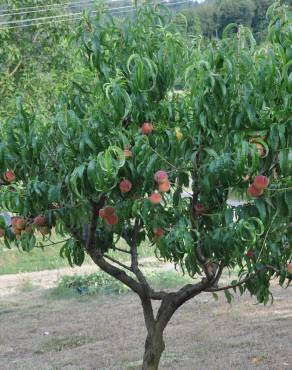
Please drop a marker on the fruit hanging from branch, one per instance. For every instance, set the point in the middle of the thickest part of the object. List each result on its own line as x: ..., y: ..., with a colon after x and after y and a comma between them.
x: 127, y: 152
x: 9, y: 176
x: 147, y: 128
x: 261, y: 182
x: 155, y: 198
x: 125, y: 186
x: 39, y: 220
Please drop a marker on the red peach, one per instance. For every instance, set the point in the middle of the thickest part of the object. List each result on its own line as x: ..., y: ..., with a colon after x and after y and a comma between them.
x: 146, y: 128
x: 109, y: 210
x: 39, y: 220
x: 160, y: 177
x: 112, y: 220
x: 9, y: 176
x: 155, y: 198
x: 261, y: 182
x: 159, y: 232
x: 249, y: 254
x: 128, y: 153
x: 28, y: 230
x: 20, y: 223
x: 125, y: 186
x: 14, y: 220
x: 165, y: 186
x: 15, y: 230
x: 289, y: 268
x: 254, y: 192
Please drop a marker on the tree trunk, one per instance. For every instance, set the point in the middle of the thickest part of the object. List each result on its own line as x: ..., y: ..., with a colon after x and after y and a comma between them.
x: 154, y: 346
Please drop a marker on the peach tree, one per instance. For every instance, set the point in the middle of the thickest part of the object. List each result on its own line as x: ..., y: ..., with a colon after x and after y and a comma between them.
x: 129, y: 157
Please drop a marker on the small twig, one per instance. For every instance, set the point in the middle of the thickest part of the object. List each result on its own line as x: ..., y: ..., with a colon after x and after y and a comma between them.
x: 281, y: 189
x: 15, y: 69
x: 165, y: 160
x: 54, y: 161
x: 266, y: 236
x: 231, y: 286
x: 52, y: 243
x: 121, y: 250
x: 117, y: 262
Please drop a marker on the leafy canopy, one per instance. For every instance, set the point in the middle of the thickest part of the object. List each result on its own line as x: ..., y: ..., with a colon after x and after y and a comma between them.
x: 230, y: 122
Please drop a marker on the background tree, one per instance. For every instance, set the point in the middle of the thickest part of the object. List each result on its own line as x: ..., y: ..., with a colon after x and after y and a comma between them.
x: 239, y: 12
x: 214, y: 15
x: 123, y: 150
x: 34, y: 54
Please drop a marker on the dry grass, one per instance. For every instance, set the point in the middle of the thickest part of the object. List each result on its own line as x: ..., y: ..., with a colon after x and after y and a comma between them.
x: 107, y: 333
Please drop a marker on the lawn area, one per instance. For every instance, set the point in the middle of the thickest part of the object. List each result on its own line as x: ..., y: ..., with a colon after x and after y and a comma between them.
x: 13, y: 261
x: 106, y: 331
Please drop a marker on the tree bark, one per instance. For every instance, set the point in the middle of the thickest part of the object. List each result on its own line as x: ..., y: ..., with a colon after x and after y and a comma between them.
x: 154, y: 346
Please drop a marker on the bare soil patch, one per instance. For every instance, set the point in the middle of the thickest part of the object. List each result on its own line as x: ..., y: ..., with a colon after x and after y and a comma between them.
x: 107, y: 333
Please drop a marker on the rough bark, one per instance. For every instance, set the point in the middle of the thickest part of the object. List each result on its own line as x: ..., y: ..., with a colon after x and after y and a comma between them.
x: 154, y: 346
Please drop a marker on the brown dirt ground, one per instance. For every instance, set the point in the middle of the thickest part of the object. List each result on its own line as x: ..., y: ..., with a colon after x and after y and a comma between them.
x: 107, y: 333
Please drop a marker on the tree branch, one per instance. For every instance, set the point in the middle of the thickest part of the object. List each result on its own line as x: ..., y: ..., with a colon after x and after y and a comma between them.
x: 117, y: 262
x: 121, y: 250
x: 239, y: 283
x: 172, y: 301
x: 98, y: 257
x: 95, y: 207
x: 52, y: 243
x: 135, y: 262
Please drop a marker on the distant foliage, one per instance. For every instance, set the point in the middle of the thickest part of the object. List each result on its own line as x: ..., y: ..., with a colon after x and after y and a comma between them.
x: 212, y: 16
x: 35, y: 60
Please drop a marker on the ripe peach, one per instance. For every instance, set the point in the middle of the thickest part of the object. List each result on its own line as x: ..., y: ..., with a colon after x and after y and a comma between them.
x: 20, y: 223
x: 2, y: 233
x: 109, y: 210
x: 289, y: 268
x: 155, y: 198
x: 125, y: 186
x: 45, y: 230
x: 160, y: 177
x: 261, y: 182
x: 165, y: 186
x: 39, y: 220
x: 112, y: 220
x: 15, y: 230
x: 254, y: 192
x: 159, y: 232
x: 249, y: 254
x: 9, y: 176
x: 128, y: 153
x: 14, y: 220
x: 146, y: 128
x: 28, y: 230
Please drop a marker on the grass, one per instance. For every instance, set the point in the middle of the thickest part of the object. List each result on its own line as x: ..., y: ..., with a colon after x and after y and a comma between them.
x: 167, y: 279
x: 61, y: 344
x: 27, y: 286
x: 100, y: 283
x: 13, y: 261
